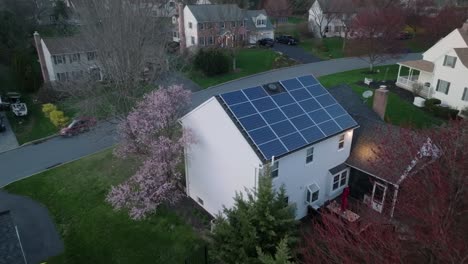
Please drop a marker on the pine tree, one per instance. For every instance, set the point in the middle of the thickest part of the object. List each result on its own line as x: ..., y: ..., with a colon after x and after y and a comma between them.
x: 282, y: 255
x: 259, y: 219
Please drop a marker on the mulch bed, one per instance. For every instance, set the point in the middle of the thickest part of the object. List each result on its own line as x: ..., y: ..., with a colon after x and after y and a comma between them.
x: 402, y: 93
x: 193, y: 214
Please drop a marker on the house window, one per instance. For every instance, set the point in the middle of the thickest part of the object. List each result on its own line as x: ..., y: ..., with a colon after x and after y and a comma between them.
x: 91, y: 55
x: 59, y: 59
x: 310, y: 155
x: 222, y: 25
x: 339, y: 180
x: 201, y: 26
x: 210, y: 40
x: 199, y: 200
x: 241, y: 23
x: 95, y: 74
x: 341, y: 141
x: 274, y: 169
x: 465, y: 94
x: 190, y: 25
x: 175, y: 34
x: 450, y: 61
x: 261, y: 22
x: 312, y: 193
x: 233, y: 24
x: 193, y: 40
x: 74, y: 57
x: 201, y: 41
x: 443, y: 86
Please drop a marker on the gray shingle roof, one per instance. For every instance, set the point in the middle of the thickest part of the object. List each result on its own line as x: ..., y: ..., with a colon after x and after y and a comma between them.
x: 250, y: 14
x: 64, y: 45
x: 10, y: 249
x: 216, y: 13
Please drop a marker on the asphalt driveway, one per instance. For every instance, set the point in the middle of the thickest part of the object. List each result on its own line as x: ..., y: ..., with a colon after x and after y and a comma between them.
x: 7, y: 139
x: 35, y: 228
x: 296, y: 53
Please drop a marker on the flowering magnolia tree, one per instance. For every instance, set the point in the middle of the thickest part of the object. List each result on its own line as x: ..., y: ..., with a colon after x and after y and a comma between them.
x: 430, y: 221
x: 151, y: 134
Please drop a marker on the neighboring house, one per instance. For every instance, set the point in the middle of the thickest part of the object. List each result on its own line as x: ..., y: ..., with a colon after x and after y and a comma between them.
x: 331, y: 17
x: 67, y: 59
x: 224, y: 25
x: 294, y: 126
x: 442, y: 72
x: 277, y: 10
x: 176, y: 16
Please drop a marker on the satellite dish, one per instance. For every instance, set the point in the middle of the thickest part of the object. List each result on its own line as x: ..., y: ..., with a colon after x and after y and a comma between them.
x: 367, y: 94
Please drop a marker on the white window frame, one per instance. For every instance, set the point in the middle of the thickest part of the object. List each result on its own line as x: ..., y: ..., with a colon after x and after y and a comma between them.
x: 311, y: 193
x: 75, y: 57
x: 91, y: 55
x: 342, y: 180
x: 378, y: 204
x: 274, y: 169
x: 451, y: 63
x: 309, y: 155
x: 341, y: 142
x: 465, y: 94
x: 59, y: 59
x: 444, y: 90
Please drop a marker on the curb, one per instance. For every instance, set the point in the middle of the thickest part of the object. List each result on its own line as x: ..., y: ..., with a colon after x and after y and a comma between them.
x: 39, y: 141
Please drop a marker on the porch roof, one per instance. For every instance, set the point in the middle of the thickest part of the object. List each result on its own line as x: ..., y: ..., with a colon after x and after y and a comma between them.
x: 422, y: 65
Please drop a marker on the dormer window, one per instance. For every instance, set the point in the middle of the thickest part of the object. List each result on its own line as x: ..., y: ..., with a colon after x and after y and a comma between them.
x: 450, y: 61
x: 261, y: 22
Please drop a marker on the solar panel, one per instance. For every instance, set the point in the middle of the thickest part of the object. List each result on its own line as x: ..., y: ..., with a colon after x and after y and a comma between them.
x: 345, y: 121
x: 291, y: 84
x: 234, y: 97
x: 273, y: 148
x: 291, y: 118
x: 255, y: 93
x: 264, y: 104
x: 329, y: 127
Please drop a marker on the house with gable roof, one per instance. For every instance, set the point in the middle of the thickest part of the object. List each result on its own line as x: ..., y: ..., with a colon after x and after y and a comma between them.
x: 294, y: 126
x: 442, y: 72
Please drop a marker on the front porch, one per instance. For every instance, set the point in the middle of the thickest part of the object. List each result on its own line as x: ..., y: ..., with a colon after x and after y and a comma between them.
x: 416, y: 77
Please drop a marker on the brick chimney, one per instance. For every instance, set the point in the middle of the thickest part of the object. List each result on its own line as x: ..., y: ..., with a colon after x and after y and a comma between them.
x: 40, y: 54
x: 183, y: 43
x: 380, y: 101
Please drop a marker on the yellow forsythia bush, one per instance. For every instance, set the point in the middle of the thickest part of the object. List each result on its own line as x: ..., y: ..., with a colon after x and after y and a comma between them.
x: 47, y: 108
x: 58, y: 118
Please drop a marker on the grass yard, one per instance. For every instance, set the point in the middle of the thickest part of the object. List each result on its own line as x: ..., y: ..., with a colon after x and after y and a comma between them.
x: 249, y: 61
x: 91, y: 230
x: 399, y: 112
x: 327, y: 48
x: 297, y: 19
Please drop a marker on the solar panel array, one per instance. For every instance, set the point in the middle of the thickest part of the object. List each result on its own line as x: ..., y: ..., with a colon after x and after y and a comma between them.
x: 281, y: 123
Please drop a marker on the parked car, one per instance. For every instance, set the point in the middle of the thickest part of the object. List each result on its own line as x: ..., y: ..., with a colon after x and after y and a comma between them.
x: 77, y: 126
x: 404, y: 35
x: 267, y: 42
x: 2, y: 125
x: 287, y: 39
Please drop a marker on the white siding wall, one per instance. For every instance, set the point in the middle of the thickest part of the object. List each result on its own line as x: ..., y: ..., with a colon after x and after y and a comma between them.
x: 295, y: 174
x: 458, y: 78
x: 315, y: 14
x: 190, y: 32
x: 221, y: 162
x: 48, y: 61
x: 254, y: 36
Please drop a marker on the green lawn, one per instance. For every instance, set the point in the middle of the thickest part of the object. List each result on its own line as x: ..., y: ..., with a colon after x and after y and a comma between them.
x: 33, y: 126
x: 91, y: 230
x: 249, y: 61
x: 399, y: 112
x: 327, y: 48
x: 296, y: 20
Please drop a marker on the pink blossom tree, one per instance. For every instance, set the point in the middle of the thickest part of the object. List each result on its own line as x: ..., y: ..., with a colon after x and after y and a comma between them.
x: 152, y: 135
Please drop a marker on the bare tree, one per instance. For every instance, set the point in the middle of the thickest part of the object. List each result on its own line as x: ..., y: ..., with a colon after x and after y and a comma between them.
x: 129, y: 39
x: 321, y: 14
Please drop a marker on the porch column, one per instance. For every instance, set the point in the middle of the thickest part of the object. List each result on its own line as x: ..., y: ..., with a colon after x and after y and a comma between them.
x: 410, y: 76
x: 399, y: 70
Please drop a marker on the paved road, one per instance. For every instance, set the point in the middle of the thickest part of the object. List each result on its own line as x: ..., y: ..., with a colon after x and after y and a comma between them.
x: 296, y: 53
x: 7, y: 138
x: 27, y: 160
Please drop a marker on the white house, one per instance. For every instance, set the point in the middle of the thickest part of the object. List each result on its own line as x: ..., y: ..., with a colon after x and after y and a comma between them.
x: 443, y: 71
x: 330, y: 17
x: 66, y: 58
x: 208, y: 25
x: 295, y: 126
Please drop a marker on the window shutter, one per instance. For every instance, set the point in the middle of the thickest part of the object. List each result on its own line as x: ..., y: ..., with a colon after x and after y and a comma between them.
x: 448, y: 86
x: 465, y: 94
x: 445, y: 60
x: 454, y: 62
